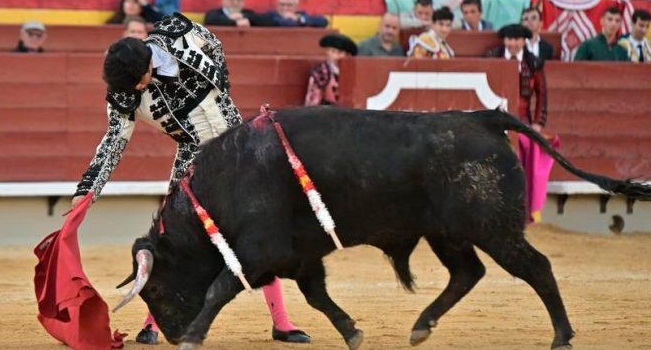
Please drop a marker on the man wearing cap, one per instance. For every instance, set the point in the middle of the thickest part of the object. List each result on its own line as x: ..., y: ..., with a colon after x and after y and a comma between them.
x: 32, y: 37
x: 536, y: 164
x: 323, y: 85
x: 177, y: 81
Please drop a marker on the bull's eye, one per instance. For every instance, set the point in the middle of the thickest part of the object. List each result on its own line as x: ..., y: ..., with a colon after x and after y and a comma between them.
x: 155, y: 291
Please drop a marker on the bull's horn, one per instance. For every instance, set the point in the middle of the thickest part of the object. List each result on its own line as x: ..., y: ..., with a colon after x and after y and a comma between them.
x: 145, y: 261
x: 127, y: 280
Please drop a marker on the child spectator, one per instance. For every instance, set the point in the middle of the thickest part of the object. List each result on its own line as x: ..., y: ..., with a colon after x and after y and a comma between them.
x: 323, y: 85
x: 432, y: 43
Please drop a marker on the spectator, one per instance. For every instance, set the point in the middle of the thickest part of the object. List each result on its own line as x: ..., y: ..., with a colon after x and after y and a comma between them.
x: 432, y: 44
x: 168, y: 7
x: 537, y: 164
x: 472, y: 12
x: 504, y: 12
x: 532, y: 19
x: 635, y: 43
x: 141, y: 8
x: 189, y: 102
x: 323, y: 85
x: 420, y: 16
x: 135, y: 27
x: 386, y: 41
x: 604, y: 46
x: 455, y: 8
x: 31, y: 38
x: 532, y: 77
x: 232, y: 13
x: 288, y: 15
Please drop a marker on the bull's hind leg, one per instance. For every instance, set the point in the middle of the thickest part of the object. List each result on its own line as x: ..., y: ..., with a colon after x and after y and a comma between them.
x: 523, y: 261
x: 222, y: 290
x: 311, y: 282
x: 465, y: 270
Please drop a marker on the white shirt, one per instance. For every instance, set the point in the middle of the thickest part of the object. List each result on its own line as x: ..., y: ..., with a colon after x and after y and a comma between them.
x: 534, y: 47
x: 519, y: 57
x: 164, y: 63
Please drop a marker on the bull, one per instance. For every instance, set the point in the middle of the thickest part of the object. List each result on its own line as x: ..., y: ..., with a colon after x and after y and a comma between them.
x: 388, y: 179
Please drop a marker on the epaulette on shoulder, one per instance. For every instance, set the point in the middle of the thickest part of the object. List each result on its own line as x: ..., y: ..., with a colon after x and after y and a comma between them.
x: 124, y: 102
x: 173, y: 26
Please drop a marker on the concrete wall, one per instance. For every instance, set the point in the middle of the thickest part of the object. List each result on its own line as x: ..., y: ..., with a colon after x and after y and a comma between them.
x: 111, y: 220
x: 582, y: 213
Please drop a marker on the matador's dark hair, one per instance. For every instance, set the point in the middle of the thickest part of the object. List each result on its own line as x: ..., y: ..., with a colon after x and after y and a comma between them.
x: 127, y: 60
x: 443, y: 14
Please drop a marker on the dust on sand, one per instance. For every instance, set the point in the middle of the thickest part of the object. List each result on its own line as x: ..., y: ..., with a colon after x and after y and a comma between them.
x: 605, y: 282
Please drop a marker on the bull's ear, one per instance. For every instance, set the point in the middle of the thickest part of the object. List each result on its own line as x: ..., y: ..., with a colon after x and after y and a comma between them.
x: 127, y: 280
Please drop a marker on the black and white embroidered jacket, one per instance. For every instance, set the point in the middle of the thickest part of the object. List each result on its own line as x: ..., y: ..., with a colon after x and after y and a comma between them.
x: 170, y: 106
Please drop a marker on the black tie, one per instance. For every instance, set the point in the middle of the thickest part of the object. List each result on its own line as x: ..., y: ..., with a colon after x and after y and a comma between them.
x: 639, y: 50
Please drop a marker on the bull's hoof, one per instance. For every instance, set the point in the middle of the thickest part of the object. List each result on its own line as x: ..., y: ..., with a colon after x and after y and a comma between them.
x: 294, y: 336
x: 147, y: 336
x: 188, y: 346
x: 419, y: 335
x: 355, y: 341
x: 563, y: 347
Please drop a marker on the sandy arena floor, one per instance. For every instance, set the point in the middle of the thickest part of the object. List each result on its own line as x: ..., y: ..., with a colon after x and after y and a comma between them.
x: 605, y: 282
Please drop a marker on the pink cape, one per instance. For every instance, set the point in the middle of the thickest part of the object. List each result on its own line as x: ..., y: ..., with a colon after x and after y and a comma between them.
x: 537, y: 166
x: 70, y: 309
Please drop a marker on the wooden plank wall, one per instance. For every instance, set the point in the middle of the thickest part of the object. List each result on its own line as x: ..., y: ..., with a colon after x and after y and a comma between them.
x: 603, y: 113
x: 53, y: 115
x: 236, y: 41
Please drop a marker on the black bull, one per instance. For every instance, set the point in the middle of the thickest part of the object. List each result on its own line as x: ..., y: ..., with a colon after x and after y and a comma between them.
x: 388, y: 179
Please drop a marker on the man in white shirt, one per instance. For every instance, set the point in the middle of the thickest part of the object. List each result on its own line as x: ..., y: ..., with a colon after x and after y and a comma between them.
x: 419, y: 17
x: 532, y: 19
x: 636, y: 43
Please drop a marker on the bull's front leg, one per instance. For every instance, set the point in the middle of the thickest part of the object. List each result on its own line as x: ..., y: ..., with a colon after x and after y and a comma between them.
x: 222, y: 290
x: 311, y: 282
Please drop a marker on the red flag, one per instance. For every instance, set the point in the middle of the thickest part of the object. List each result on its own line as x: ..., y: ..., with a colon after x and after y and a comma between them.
x: 70, y: 309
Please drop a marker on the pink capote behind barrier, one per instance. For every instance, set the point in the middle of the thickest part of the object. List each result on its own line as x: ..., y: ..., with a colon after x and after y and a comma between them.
x: 537, y: 166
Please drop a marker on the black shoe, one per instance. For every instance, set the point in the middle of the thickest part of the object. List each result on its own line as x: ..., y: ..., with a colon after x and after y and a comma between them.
x: 147, y: 336
x: 295, y: 336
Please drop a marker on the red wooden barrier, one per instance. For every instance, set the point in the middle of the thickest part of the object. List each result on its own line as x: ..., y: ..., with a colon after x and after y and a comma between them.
x: 237, y: 41
x: 53, y: 113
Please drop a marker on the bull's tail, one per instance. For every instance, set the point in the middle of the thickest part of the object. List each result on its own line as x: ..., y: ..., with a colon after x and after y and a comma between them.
x: 399, y: 259
x: 632, y: 189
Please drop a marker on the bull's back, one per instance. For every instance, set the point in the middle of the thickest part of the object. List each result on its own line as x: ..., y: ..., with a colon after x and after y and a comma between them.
x: 405, y: 170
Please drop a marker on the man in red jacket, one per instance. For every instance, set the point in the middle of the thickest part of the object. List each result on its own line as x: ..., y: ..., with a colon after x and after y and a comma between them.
x: 536, y: 163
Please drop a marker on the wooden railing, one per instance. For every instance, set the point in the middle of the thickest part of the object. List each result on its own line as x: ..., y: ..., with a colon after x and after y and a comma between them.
x: 249, y: 41
x: 53, y: 113
x: 52, y: 109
